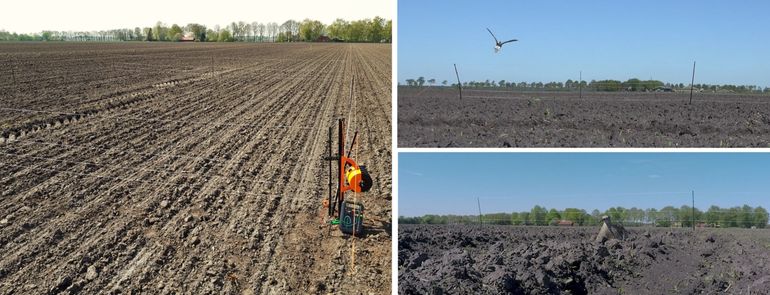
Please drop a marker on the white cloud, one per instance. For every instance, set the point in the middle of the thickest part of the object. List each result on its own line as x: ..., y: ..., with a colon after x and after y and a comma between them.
x: 415, y: 173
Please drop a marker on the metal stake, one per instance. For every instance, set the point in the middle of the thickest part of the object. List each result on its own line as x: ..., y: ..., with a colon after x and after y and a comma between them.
x: 481, y: 221
x: 692, y: 84
x: 580, y: 84
x: 693, y: 210
x: 459, y: 85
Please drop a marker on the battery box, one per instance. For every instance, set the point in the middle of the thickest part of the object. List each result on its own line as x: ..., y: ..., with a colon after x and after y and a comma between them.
x: 352, y: 218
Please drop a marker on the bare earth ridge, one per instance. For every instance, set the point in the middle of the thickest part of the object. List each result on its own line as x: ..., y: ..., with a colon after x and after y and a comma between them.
x: 188, y: 168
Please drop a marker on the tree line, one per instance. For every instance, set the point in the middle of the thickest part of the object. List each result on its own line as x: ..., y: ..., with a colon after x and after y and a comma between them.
x: 632, y: 84
x: 744, y: 216
x: 376, y: 29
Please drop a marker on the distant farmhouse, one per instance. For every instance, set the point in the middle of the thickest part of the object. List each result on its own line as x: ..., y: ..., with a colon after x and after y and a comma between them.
x: 188, y: 37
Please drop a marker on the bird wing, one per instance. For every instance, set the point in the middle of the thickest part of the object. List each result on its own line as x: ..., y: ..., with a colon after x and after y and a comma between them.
x: 493, y: 35
x: 512, y: 40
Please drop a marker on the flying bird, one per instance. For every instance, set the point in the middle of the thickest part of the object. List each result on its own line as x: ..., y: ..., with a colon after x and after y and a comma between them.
x: 498, y: 44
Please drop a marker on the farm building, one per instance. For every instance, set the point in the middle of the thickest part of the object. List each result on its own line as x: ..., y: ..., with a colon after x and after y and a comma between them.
x: 323, y: 38
x: 189, y: 37
x: 565, y: 223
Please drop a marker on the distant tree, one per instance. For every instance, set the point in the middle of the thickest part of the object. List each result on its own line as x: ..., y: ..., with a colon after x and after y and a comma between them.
x: 282, y: 37
x: 310, y: 30
x: 538, y: 215
x: 617, y: 214
x: 569, y: 83
x: 270, y: 30
x: 515, y: 218
x: 497, y: 218
x: 633, y: 84
x: 668, y: 216
x: 421, y: 81
x: 444, y: 82
x: 290, y: 29
x: 212, y: 35
x: 746, y: 218
x: 225, y: 36
x: 234, y: 30
x: 574, y: 215
x: 553, y: 216
x: 175, y: 33
x: 46, y: 35
x: 294, y: 29
x: 198, y: 30
x: 651, y: 215
x: 410, y: 82
x: 376, y: 29
x: 246, y: 31
x: 635, y: 216
x: 148, y: 34
x: 760, y: 217
x: 525, y: 218
x: 713, y: 215
x: 261, y: 31
x: 432, y: 81
x: 138, y: 34
x: 338, y: 29
x: 160, y: 31
x: 358, y: 31
x: 606, y: 85
x: 388, y: 31
x: 685, y: 216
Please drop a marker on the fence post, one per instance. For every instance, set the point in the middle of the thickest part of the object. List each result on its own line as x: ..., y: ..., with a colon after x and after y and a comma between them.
x: 459, y: 85
x: 693, y: 210
x: 481, y: 221
x: 692, y: 84
x: 580, y: 85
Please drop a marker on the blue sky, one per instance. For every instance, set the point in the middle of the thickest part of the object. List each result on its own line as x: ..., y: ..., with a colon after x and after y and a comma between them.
x: 605, y: 39
x: 448, y: 183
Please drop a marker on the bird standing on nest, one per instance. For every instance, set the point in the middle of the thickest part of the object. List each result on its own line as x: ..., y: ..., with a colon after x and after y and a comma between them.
x: 498, y: 44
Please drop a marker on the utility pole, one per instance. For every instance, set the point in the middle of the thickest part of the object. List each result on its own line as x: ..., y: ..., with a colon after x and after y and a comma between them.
x: 692, y: 84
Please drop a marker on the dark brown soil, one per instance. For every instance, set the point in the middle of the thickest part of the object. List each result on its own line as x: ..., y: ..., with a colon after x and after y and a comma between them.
x: 435, y: 117
x: 457, y: 259
x: 187, y: 168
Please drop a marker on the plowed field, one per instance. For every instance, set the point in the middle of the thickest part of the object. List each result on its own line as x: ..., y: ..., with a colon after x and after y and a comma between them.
x: 188, y: 168
x: 458, y: 259
x: 435, y: 117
